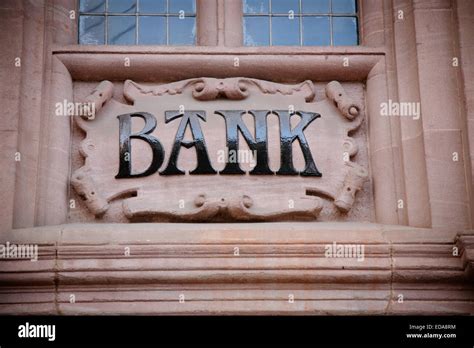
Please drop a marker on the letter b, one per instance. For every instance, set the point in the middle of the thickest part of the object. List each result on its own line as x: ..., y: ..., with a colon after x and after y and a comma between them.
x: 125, y: 136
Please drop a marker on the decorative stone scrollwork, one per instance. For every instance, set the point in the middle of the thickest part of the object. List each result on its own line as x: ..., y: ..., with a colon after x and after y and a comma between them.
x: 226, y: 198
x: 84, y: 184
x: 98, y: 97
x: 82, y: 180
x: 353, y: 182
x: 348, y: 107
x: 211, y: 88
x: 356, y: 175
x: 229, y: 208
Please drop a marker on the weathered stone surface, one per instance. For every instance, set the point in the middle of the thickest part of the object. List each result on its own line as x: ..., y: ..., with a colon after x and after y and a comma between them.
x: 256, y: 198
x: 413, y: 215
x: 200, y: 264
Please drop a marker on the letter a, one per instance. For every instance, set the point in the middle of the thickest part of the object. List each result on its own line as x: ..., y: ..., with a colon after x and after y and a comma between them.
x: 192, y: 118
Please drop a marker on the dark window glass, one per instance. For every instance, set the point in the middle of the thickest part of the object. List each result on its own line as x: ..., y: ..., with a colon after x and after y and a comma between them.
x: 344, y: 31
x: 300, y: 22
x: 315, y: 6
x: 316, y: 31
x: 256, y: 31
x: 256, y: 6
x: 343, y: 6
x: 152, y: 6
x: 122, y: 6
x: 152, y: 30
x: 92, y: 6
x: 285, y: 6
x: 185, y: 6
x: 142, y: 22
x: 181, y: 30
x: 285, y: 31
x: 121, y: 30
x: 93, y: 30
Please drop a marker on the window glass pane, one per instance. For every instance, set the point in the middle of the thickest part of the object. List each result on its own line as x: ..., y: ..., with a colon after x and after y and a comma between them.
x: 285, y: 31
x: 256, y: 31
x: 344, y: 31
x: 284, y: 6
x: 343, y: 6
x: 152, y: 6
x: 92, y: 6
x: 256, y: 6
x: 121, y: 30
x: 122, y: 6
x: 315, y: 6
x: 188, y: 6
x: 152, y: 30
x: 316, y: 31
x: 92, y: 29
x: 182, y: 30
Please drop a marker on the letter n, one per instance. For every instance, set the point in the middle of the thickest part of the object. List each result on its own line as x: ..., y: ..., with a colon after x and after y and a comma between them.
x: 234, y: 124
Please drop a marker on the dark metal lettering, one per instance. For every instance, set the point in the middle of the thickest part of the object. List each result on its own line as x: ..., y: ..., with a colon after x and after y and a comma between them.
x: 234, y: 124
x: 288, y: 136
x: 125, y: 151
x: 190, y: 118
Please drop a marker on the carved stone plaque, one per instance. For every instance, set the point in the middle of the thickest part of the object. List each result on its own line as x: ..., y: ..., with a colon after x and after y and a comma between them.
x: 210, y: 150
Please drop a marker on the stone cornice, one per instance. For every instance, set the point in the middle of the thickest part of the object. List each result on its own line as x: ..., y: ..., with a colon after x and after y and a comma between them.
x: 162, y: 64
x: 272, y: 261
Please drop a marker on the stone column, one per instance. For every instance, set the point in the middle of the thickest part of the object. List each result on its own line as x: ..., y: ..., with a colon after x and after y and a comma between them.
x: 30, y: 104
x: 443, y: 125
x: 233, y: 22
x: 380, y: 132
x: 207, y: 22
x: 56, y: 135
x: 11, y: 27
x: 464, y: 13
x: 43, y: 142
x: 414, y: 164
x: 395, y: 122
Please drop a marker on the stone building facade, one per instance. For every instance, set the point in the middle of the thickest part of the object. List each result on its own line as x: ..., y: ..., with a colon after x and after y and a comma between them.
x: 387, y: 228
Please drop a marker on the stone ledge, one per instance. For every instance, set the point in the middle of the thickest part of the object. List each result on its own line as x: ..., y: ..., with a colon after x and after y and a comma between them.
x: 465, y: 244
x: 275, y: 260
x: 164, y: 65
x: 219, y: 233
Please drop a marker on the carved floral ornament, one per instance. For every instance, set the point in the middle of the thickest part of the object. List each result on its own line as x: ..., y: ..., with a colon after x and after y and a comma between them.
x: 174, y: 133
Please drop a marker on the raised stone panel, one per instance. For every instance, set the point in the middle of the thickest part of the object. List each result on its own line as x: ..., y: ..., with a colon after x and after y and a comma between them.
x: 336, y: 141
